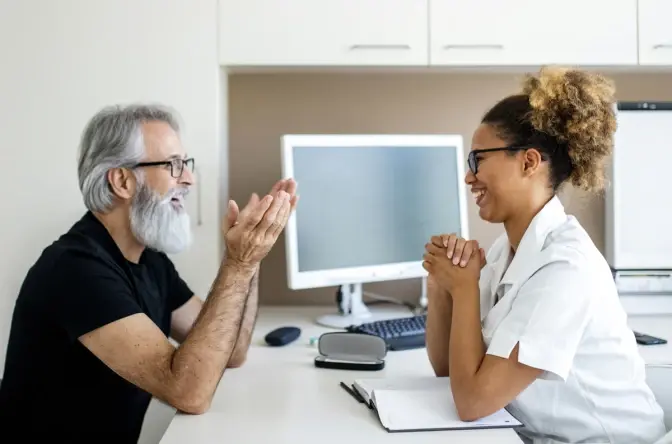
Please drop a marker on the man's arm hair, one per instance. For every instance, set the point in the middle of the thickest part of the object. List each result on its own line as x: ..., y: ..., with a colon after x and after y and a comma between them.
x: 247, y: 327
x: 183, y: 318
x: 186, y: 377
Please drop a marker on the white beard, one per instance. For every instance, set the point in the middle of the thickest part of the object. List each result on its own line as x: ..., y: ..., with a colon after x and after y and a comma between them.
x: 157, y: 224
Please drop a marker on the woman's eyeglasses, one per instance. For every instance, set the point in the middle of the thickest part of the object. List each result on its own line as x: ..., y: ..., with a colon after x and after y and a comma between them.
x: 473, y: 161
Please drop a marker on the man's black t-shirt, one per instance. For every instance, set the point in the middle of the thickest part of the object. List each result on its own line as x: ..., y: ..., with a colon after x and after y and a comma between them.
x: 53, y: 386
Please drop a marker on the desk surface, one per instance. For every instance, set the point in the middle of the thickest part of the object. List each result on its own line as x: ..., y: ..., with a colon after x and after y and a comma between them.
x: 279, y: 396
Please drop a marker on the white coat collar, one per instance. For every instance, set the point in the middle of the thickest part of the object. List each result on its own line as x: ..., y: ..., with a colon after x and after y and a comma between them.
x: 550, y: 217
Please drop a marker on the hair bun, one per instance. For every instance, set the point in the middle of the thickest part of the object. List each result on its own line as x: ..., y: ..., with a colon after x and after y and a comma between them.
x: 577, y: 108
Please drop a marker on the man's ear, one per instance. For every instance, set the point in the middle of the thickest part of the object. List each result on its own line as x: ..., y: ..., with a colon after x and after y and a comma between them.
x: 122, y: 183
x: 531, y: 161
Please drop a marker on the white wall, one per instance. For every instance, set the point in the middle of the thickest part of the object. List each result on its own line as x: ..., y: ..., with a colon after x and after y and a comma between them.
x: 63, y: 60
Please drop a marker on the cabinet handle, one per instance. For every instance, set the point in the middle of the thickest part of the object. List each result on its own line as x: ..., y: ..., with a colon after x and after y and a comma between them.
x: 356, y: 47
x: 663, y: 46
x: 474, y: 46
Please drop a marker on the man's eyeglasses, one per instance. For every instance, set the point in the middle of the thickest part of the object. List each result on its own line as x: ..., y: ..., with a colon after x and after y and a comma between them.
x: 176, y: 165
x: 473, y: 161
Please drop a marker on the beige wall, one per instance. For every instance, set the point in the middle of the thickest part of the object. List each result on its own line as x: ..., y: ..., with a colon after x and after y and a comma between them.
x: 262, y: 107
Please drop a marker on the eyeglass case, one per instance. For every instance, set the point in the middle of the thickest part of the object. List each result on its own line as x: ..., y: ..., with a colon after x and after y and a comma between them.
x: 351, y: 351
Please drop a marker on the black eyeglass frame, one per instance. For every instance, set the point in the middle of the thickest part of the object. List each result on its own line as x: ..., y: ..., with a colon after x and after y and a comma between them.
x: 473, y: 162
x: 174, y: 163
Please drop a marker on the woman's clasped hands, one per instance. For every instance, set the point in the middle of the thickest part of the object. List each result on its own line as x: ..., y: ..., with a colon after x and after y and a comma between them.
x: 452, y: 262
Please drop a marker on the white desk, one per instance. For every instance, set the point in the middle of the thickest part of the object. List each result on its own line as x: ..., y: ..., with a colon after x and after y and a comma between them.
x: 278, y: 396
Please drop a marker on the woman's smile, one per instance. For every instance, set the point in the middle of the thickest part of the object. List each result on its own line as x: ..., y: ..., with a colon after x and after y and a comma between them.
x: 479, y: 195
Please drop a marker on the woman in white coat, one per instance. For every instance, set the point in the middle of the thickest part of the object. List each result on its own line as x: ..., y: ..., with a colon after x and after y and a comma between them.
x: 536, y: 325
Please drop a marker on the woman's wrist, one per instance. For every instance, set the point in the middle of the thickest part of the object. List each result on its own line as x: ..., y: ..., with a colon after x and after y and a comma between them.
x: 466, y: 292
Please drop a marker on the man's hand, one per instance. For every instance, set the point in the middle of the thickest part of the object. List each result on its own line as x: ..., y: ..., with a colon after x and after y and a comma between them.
x: 252, y: 232
x: 289, y: 186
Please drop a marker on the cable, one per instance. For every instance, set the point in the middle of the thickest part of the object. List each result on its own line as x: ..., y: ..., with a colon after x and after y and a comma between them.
x: 380, y: 299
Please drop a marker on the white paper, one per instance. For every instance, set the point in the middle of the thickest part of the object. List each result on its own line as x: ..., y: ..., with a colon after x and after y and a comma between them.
x: 367, y: 386
x: 426, y: 404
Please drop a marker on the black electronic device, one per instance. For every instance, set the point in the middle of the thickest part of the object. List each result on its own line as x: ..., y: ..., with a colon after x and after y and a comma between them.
x: 282, y: 336
x: 398, y: 333
x: 644, y: 339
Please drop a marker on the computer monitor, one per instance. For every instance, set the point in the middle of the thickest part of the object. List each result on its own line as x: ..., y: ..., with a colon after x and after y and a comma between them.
x: 368, y: 205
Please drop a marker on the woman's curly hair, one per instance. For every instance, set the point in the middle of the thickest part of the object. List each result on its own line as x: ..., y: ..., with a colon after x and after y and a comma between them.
x: 569, y: 115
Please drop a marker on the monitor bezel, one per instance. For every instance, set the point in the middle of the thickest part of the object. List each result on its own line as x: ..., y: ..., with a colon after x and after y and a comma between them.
x: 375, y: 273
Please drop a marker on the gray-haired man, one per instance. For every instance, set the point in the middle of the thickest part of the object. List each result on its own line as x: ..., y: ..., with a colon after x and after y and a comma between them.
x: 89, y: 341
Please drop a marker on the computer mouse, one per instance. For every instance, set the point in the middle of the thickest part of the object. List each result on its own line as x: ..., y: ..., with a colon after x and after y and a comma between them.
x: 282, y: 336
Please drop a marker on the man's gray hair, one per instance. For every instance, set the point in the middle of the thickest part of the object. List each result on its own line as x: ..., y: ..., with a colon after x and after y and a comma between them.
x: 113, y: 139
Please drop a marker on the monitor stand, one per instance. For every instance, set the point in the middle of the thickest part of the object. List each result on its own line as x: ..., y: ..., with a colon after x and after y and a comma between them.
x: 353, y: 311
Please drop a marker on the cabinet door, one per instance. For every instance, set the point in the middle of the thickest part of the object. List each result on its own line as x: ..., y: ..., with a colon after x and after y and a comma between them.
x: 533, y: 32
x: 655, y: 32
x: 323, y: 32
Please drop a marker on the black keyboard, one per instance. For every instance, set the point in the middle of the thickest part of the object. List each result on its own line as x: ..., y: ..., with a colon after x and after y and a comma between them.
x: 399, y: 334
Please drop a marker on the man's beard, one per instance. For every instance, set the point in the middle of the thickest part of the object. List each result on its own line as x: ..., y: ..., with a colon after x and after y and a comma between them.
x: 157, y: 224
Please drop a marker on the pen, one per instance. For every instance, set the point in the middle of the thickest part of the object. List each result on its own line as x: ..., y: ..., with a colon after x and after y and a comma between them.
x: 352, y: 392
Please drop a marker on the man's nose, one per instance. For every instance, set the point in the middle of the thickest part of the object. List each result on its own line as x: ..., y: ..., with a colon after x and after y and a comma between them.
x: 187, y: 177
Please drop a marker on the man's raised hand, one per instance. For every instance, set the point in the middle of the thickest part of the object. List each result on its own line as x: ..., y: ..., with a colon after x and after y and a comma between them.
x: 252, y: 231
x: 289, y: 186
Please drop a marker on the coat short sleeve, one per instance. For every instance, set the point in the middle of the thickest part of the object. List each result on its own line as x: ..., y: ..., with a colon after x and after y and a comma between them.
x: 88, y: 293
x: 547, y: 319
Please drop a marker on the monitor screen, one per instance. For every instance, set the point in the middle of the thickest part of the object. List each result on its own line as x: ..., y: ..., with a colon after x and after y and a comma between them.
x: 370, y: 205
x: 638, y: 191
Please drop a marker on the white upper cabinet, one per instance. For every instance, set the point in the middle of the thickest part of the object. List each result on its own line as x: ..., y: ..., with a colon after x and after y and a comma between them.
x: 323, y: 32
x: 655, y: 32
x: 536, y: 32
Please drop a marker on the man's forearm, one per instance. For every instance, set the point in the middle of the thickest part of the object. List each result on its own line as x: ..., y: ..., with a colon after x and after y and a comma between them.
x: 437, y: 336
x: 198, y: 364
x: 247, y: 326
